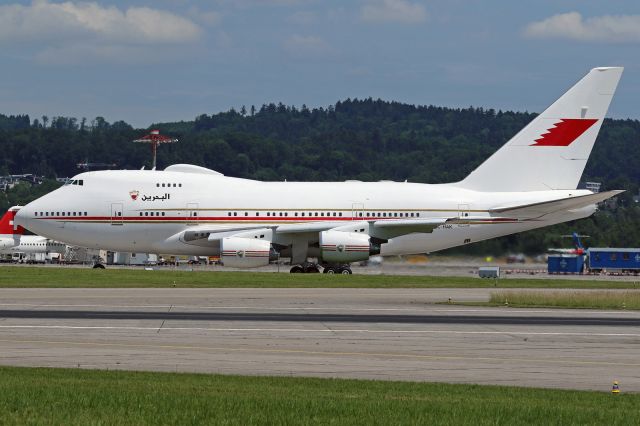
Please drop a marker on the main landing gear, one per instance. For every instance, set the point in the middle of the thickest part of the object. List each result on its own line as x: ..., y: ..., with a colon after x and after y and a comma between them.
x: 312, y: 268
x: 338, y: 269
x: 305, y: 268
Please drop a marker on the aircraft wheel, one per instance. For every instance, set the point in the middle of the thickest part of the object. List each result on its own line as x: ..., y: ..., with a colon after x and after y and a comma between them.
x: 329, y: 270
x: 346, y: 271
x: 98, y: 266
x: 296, y: 269
x: 312, y: 269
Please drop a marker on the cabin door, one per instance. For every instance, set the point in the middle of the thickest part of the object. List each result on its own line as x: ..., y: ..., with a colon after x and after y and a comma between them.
x: 116, y: 213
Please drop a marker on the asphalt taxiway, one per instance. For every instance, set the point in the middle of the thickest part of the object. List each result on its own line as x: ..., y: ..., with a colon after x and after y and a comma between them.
x: 389, y: 334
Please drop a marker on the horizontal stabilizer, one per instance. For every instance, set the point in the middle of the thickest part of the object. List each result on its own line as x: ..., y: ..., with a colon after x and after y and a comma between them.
x: 537, y: 210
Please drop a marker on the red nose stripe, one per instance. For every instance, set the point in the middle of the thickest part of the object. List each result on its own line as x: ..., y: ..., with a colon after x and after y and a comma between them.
x: 565, y: 131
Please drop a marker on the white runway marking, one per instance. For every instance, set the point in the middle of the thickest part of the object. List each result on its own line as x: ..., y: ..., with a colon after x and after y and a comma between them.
x: 321, y: 331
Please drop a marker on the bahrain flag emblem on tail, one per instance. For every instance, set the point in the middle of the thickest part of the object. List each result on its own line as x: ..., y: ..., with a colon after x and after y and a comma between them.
x: 564, y: 132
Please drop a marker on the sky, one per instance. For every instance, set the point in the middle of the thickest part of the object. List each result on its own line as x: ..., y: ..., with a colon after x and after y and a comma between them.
x: 150, y: 61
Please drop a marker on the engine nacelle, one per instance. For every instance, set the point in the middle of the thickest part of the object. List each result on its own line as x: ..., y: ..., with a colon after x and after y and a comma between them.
x: 344, y: 247
x: 244, y: 252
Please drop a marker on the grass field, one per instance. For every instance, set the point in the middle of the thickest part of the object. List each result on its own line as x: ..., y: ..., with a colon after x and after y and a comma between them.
x: 13, y: 276
x: 81, y: 397
x: 568, y: 299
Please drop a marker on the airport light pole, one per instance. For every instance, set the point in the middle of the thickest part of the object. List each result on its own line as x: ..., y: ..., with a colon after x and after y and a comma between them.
x: 155, y: 138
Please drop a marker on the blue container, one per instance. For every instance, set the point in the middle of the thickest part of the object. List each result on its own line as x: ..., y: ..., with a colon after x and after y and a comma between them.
x: 565, y: 264
x: 613, y: 259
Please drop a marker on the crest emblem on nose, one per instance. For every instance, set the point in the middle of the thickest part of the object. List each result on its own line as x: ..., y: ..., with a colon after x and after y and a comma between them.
x: 134, y: 195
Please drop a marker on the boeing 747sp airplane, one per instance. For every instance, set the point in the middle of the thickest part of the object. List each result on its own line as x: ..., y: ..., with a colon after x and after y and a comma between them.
x: 530, y: 182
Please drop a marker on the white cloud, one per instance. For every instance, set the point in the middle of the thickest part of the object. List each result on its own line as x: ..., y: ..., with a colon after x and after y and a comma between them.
x: 393, y: 11
x: 308, y: 46
x: 607, y: 28
x: 47, y: 22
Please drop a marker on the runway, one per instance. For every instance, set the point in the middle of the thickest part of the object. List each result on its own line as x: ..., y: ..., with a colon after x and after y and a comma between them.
x: 388, y: 334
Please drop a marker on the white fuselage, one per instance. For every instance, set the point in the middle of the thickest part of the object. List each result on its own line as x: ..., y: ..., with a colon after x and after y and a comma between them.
x: 146, y: 211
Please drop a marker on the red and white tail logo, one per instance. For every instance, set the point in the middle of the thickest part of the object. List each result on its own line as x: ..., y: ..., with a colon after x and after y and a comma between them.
x: 6, y: 223
x: 565, y: 131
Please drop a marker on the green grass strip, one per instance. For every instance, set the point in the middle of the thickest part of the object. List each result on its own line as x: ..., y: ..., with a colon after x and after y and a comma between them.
x: 82, y: 397
x: 53, y: 277
x: 568, y: 299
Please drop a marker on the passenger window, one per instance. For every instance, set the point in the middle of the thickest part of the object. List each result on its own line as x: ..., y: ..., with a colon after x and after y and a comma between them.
x: 158, y: 185
x: 257, y: 214
x: 162, y: 213
x: 163, y: 185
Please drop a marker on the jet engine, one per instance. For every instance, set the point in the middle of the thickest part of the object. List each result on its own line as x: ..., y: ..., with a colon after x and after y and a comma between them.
x: 238, y: 252
x: 344, y: 247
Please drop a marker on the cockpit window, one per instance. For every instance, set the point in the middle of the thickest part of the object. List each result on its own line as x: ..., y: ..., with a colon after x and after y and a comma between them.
x: 75, y: 182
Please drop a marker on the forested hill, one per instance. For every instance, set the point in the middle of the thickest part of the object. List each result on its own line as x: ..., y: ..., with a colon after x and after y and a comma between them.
x: 355, y: 139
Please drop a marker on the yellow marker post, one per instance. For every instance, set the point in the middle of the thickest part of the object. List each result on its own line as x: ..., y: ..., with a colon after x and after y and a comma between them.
x: 615, y: 389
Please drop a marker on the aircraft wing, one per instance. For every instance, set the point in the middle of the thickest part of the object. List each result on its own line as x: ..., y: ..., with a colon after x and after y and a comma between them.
x: 386, y: 229
x: 382, y: 229
x: 537, y: 210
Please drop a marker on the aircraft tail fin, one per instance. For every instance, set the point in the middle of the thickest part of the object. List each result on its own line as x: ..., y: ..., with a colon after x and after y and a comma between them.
x: 551, y: 151
x: 576, y: 241
x: 6, y: 223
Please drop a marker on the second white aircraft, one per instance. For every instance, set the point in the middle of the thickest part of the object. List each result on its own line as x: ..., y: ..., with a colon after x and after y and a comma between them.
x: 528, y: 183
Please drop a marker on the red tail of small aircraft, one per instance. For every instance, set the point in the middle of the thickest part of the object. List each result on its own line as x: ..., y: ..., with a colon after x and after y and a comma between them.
x: 6, y: 223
